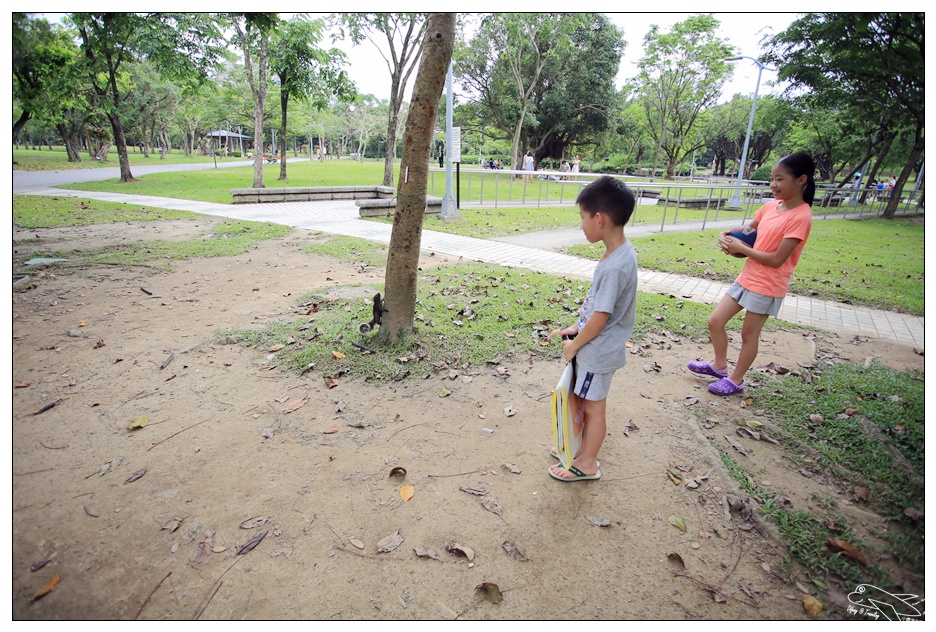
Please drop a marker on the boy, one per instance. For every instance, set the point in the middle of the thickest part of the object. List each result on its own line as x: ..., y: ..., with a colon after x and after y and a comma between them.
x: 606, y: 320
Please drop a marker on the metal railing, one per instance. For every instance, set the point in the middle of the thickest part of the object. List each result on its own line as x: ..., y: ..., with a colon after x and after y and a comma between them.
x: 699, y: 200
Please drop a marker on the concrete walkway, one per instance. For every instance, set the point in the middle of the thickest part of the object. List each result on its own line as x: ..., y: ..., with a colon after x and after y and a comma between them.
x: 341, y: 217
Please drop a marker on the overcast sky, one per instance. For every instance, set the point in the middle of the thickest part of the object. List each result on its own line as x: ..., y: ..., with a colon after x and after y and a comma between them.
x: 744, y: 30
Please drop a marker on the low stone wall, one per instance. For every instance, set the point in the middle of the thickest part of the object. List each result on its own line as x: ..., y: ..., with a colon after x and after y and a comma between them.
x: 387, y: 208
x: 694, y: 202
x: 311, y: 194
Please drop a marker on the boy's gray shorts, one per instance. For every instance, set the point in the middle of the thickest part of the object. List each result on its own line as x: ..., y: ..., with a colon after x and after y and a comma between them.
x: 596, y: 386
x: 754, y: 302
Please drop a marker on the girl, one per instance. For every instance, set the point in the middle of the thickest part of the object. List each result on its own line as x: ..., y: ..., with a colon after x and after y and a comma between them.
x: 782, y: 229
x: 528, y: 166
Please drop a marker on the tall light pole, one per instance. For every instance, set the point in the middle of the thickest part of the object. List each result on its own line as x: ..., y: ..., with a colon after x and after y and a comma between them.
x: 448, y: 200
x: 735, y: 201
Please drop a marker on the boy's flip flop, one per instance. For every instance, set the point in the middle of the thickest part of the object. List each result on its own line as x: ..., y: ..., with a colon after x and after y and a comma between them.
x: 579, y: 475
x: 725, y: 386
x: 705, y: 368
x: 555, y: 455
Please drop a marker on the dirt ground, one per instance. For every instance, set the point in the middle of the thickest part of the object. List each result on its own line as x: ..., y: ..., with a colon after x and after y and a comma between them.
x: 221, y: 451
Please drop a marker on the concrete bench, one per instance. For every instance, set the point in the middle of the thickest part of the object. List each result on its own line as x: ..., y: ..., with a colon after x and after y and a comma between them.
x: 387, y: 208
x: 645, y: 193
x: 311, y: 194
x: 694, y: 202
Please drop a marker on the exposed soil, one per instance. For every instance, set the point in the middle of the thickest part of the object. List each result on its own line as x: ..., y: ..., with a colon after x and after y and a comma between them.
x: 106, y: 353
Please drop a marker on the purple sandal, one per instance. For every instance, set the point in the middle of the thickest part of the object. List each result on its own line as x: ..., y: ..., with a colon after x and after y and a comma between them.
x: 725, y: 386
x: 705, y: 368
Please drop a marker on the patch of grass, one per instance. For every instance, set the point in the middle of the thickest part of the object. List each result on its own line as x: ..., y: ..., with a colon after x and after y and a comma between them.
x: 229, y: 239
x: 214, y: 185
x: 805, y: 535
x: 893, y: 402
x: 42, y: 211
x: 487, y: 223
x: 872, y: 262
x: 346, y: 248
x: 57, y: 159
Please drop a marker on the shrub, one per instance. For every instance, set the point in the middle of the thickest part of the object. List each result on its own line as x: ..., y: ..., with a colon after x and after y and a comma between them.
x: 762, y: 173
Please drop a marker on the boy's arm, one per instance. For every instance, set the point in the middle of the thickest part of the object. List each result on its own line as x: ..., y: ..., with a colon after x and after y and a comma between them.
x: 571, y: 330
x: 589, y: 332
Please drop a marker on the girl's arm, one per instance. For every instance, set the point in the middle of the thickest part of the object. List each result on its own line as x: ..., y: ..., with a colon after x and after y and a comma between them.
x: 590, y: 331
x: 722, y: 235
x: 773, y: 259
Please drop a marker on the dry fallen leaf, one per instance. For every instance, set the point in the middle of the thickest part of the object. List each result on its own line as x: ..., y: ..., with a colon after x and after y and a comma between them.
x: 492, y: 505
x: 254, y: 522
x: 219, y: 549
x: 390, y: 542
x: 296, y: 404
x: 45, y: 590
x: 356, y: 543
x: 21, y: 385
x: 676, y: 558
x: 330, y: 431
x: 477, y: 491
x: 598, y: 522
x: 397, y: 471
x: 339, y: 355
x: 460, y: 549
x: 406, y: 492
x: 136, y: 476
x: 491, y: 591
x: 846, y: 549
x: 422, y: 551
x: 513, y: 468
x: 252, y: 543
x: 111, y: 465
x: 514, y: 552
x: 276, y: 347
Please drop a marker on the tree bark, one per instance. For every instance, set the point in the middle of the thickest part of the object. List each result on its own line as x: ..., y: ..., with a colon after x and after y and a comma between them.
x: 403, y: 260
x: 21, y: 123
x: 71, y: 143
x: 120, y: 141
x: 915, y: 153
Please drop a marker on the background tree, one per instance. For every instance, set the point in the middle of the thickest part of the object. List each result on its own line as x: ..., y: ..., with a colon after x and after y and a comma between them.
x: 403, y: 259
x: 45, y: 81
x: 875, y: 59
x: 305, y: 71
x: 404, y: 35
x: 680, y: 76
x: 253, y: 34
x: 184, y: 46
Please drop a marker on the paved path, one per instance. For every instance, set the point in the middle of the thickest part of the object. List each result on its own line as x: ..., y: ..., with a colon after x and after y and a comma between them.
x: 341, y: 217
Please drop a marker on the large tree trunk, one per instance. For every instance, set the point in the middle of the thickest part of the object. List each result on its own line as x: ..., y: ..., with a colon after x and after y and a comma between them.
x: 71, y: 143
x: 403, y: 260
x: 120, y: 141
x: 258, y: 87
x: 915, y: 153
x: 21, y: 123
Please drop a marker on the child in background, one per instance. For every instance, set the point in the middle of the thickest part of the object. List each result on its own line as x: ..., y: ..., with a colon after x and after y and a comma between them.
x: 606, y: 319
x: 782, y: 229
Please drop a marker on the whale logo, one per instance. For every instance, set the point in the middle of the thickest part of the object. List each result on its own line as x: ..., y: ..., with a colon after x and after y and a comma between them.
x: 893, y: 607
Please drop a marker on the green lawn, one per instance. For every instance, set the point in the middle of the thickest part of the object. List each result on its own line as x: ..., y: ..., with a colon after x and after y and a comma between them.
x: 57, y: 160
x: 872, y: 262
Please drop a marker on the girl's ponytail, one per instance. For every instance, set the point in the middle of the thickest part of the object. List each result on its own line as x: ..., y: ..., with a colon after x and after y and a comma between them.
x: 799, y: 164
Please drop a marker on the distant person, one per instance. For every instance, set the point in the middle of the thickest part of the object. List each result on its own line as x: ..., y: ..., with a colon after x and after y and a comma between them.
x: 441, y: 155
x: 575, y: 163
x: 782, y: 230
x: 597, y: 341
x: 500, y: 163
x: 528, y: 166
x: 490, y: 163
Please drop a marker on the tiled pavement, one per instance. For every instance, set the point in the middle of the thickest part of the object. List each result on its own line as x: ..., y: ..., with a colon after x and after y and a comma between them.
x: 341, y: 217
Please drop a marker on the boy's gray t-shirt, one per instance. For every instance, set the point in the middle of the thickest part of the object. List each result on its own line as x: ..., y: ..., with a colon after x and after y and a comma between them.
x: 613, y: 290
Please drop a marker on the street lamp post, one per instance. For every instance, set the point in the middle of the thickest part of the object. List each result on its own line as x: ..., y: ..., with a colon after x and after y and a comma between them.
x: 448, y: 200
x: 735, y: 201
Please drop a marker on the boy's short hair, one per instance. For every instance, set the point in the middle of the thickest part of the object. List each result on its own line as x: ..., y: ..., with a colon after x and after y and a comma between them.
x: 609, y: 196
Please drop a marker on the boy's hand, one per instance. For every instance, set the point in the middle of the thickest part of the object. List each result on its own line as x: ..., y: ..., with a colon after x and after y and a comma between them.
x: 554, y: 333
x: 569, y: 349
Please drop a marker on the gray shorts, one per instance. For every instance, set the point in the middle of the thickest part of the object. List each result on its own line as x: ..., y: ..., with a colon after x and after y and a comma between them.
x: 592, y: 386
x: 754, y: 302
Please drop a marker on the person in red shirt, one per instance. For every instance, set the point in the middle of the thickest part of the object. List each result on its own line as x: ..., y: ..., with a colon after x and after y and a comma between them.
x: 782, y: 227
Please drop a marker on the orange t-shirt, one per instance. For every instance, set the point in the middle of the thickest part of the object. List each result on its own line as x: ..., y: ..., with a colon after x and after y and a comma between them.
x: 773, y: 226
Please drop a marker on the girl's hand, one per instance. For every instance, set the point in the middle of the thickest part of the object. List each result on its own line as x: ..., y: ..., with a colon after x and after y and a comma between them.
x: 731, y: 246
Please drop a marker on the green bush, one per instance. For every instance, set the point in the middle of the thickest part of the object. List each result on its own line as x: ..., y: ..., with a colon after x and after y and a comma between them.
x: 236, y: 153
x: 762, y: 173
